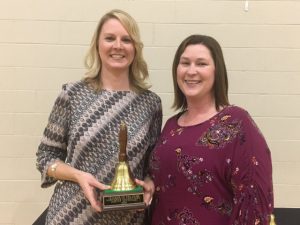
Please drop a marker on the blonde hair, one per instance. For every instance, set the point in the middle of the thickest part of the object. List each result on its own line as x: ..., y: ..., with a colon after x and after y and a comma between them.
x: 138, y: 71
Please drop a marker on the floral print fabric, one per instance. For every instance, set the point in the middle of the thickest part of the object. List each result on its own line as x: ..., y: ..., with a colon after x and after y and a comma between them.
x: 217, y: 172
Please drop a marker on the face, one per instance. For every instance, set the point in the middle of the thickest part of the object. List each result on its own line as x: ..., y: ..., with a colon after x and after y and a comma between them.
x: 196, y: 73
x: 116, y: 48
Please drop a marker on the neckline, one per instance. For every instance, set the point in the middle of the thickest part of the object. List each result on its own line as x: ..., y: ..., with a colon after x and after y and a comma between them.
x: 116, y: 91
x: 205, y: 121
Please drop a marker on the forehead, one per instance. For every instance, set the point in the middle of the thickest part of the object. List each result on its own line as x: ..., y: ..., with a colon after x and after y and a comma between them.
x: 113, y: 26
x: 198, y: 50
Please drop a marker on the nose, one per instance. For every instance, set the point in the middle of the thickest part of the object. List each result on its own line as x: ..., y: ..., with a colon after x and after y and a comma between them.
x: 118, y: 43
x: 192, y: 69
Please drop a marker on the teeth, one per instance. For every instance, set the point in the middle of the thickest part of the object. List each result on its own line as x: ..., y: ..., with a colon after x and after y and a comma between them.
x: 117, y: 56
x: 192, y: 81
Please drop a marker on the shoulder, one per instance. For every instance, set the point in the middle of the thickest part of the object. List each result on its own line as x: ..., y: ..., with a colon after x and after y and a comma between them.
x: 150, y: 95
x: 236, y: 115
x: 76, y: 87
x: 236, y: 112
x: 244, y: 118
x: 73, y: 85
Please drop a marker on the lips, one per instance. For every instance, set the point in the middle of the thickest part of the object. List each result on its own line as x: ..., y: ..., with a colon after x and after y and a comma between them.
x: 192, y: 81
x: 117, y: 56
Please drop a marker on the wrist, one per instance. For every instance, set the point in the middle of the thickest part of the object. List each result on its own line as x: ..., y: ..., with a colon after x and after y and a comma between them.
x: 53, y: 168
x: 77, y: 174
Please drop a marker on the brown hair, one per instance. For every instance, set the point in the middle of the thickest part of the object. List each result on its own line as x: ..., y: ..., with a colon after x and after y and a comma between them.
x: 138, y: 71
x: 220, y: 87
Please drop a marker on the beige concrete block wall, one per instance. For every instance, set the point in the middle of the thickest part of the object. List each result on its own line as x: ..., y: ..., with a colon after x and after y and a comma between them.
x: 43, y: 42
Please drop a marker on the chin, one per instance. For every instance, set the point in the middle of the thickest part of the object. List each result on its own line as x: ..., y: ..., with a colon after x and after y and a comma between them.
x: 119, y: 67
x: 191, y: 93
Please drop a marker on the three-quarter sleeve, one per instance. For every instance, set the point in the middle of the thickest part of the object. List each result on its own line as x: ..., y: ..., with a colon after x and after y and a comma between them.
x: 251, y: 177
x: 53, y: 144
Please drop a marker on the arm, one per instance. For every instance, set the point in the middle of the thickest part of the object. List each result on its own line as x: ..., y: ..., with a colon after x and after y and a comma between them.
x: 52, y: 153
x: 251, y: 177
x: 62, y: 171
x: 53, y: 145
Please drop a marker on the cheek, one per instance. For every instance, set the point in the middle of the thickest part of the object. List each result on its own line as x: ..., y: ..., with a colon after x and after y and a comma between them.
x: 131, y: 49
x: 178, y: 75
x: 213, y: 76
x: 102, y: 48
x: 179, y: 72
x: 212, y: 82
x: 210, y: 75
x: 179, y: 78
x: 131, y: 53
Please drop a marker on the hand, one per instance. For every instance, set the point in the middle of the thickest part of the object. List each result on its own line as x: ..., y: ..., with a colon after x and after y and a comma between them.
x: 149, y: 188
x: 88, y: 184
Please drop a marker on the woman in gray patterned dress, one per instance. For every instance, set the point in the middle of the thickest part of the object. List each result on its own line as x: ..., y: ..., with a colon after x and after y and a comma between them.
x: 79, y: 147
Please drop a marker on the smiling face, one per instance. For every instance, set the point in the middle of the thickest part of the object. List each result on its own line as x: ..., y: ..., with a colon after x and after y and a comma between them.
x: 196, y: 73
x: 116, y: 48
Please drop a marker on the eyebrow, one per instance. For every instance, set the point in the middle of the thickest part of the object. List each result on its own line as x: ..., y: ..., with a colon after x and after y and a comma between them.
x: 187, y: 58
x: 115, y: 35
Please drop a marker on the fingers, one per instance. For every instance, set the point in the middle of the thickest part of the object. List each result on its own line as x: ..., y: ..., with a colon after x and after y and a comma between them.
x: 101, y: 186
x: 143, y: 184
x: 148, y: 193
x: 92, y: 198
x: 148, y: 185
x: 140, y: 182
x: 150, y: 201
x: 92, y: 181
x: 96, y: 205
x: 89, y: 184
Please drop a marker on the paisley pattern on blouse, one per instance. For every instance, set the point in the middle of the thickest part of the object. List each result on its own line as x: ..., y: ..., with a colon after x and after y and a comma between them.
x: 183, y: 217
x: 196, y: 180
x: 220, y: 133
x: 222, y: 206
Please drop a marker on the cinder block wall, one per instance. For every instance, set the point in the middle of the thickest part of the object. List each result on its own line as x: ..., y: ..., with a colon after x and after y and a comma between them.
x: 43, y: 43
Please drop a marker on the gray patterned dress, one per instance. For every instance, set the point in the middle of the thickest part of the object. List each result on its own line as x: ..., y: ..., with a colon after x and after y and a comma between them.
x: 83, y: 131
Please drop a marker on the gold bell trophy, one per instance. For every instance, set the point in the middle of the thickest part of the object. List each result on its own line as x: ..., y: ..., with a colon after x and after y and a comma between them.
x: 124, y: 193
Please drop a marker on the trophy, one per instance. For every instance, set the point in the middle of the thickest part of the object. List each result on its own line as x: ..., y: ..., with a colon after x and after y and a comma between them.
x: 124, y: 193
x: 272, y: 220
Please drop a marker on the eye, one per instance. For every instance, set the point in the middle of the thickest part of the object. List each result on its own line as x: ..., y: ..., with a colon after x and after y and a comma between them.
x: 109, y: 38
x: 127, y: 40
x: 184, y: 63
x: 201, y: 64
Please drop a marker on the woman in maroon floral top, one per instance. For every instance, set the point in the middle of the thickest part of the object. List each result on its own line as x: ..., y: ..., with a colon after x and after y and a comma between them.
x: 212, y: 165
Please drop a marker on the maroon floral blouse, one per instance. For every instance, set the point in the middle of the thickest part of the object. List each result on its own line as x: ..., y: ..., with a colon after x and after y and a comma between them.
x: 218, y: 172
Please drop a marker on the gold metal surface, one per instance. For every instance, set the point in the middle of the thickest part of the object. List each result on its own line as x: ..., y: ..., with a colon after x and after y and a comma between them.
x: 272, y: 221
x: 122, y: 180
x: 123, y: 177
